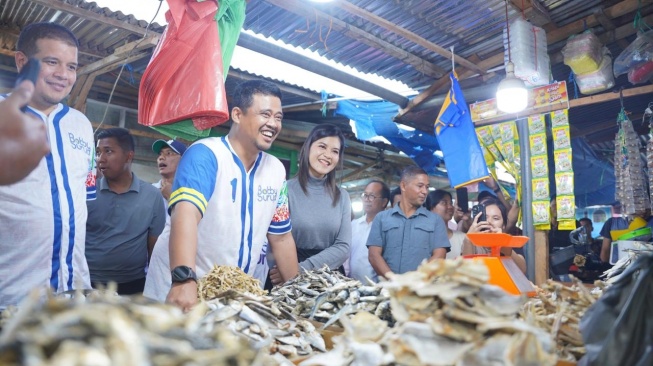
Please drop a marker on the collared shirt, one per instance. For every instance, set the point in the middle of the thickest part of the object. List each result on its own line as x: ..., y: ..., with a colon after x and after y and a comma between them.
x: 359, y: 264
x: 44, y: 215
x: 407, y: 241
x: 118, y: 229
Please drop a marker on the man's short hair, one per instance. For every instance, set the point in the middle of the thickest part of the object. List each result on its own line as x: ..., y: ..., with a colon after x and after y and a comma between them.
x: 35, y: 31
x: 411, y: 171
x: 123, y: 137
x: 244, y: 93
x: 385, y: 190
x: 587, y: 219
x: 484, y: 195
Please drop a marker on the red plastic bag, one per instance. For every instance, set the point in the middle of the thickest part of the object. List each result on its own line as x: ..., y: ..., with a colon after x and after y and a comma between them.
x: 184, y: 78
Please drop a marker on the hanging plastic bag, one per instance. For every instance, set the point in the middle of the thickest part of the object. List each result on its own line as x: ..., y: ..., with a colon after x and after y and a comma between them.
x: 618, y: 328
x: 184, y: 79
x: 582, y: 53
x: 637, y: 53
x: 597, y: 81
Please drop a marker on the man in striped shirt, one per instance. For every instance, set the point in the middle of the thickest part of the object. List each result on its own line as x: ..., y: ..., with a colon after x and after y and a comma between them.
x: 228, y: 196
x: 44, y: 215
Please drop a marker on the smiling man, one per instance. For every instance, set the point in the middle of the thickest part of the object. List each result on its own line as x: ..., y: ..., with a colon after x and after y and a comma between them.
x: 43, y: 216
x: 405, y: 235
x: 125, y: 220
x: 228, y: 196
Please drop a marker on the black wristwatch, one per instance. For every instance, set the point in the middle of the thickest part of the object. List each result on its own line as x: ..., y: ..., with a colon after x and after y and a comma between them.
x: 183, y: 274
x: 497, y: 190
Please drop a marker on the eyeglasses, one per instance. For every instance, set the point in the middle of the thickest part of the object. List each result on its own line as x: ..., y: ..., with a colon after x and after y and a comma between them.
x: 368, y: 197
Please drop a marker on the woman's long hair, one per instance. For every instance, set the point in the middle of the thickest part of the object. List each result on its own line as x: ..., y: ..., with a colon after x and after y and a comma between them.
x: 321, y: 131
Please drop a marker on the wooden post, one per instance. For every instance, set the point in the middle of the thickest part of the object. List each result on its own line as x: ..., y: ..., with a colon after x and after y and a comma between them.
x: 541, y: 257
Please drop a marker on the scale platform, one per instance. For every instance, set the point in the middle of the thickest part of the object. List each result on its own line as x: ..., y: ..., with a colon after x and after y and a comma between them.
x: 503, y: 270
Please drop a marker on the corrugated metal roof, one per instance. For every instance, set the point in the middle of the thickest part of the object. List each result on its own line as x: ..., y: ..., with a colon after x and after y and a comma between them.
x: 474, y: 27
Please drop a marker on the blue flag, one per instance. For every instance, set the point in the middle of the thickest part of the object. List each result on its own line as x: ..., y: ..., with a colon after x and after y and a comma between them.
x: 456, y: 136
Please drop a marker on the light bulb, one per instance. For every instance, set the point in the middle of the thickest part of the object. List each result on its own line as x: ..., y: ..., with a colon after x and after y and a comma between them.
x: 512, y: 95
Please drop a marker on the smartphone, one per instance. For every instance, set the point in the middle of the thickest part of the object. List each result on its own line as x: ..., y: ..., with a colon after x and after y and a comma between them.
x: 462, y: 199
x: 30, y: 71
x: 479, y: 209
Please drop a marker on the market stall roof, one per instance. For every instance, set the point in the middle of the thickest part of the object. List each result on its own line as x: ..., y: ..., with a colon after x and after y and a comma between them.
x: 403, y: 40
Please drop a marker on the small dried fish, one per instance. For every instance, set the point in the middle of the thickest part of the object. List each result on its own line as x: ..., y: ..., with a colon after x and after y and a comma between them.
x: 558, y: 309
x: 322, y: 294
x: 107, y: 330
x: 223, y: 278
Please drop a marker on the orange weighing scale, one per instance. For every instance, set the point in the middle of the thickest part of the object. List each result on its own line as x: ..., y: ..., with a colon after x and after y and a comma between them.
x: 503, y: 270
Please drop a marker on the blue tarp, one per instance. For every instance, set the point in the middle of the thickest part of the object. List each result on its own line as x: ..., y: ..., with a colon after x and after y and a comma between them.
x: 374, y: 119
x: 594, y: 181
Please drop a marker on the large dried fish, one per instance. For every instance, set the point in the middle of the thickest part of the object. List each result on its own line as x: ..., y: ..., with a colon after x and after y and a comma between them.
x: 446, y: 314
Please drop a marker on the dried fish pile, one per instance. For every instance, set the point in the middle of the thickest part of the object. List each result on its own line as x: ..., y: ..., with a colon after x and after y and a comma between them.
x: 558, y: 309
x: 263, y: 323
x: 115, y: 331
x: 326, y: 296
x: 223, y: 278
x: 446, y: 315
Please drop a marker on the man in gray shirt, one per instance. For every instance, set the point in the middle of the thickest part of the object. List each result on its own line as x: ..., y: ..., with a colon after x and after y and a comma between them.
x: 125, y: 220
x: 405, y: 235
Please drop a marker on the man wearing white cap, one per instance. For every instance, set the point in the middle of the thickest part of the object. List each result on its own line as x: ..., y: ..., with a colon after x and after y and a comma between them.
x: 170, y: 153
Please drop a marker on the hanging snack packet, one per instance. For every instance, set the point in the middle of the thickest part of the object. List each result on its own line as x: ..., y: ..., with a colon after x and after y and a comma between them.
x: 560, y: 118
x: 538, y: 144
x: 536, y: 124
x: 564, y: 183
x: 566, y: 208
x: 563, y: 161
x: 541, y: 213
x: 540, y: 189
x: 540, y: 166
x: 561, y: 139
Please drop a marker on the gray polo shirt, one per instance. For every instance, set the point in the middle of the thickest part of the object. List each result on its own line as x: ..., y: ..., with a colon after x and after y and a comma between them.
x: 407, y: 241
x: 117, y: 229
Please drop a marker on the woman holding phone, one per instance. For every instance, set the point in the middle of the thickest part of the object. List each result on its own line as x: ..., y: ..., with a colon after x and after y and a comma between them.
x: 495, y: 222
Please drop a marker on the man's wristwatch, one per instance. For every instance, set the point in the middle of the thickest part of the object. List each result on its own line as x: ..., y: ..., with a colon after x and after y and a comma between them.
x: 497, y: 190
x: 182, y: 274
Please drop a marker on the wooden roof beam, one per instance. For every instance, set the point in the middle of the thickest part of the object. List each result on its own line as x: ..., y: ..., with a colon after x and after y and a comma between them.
x: 557, y: 35
x: 609, y: 27
x: 533, y: 11
x: 284, y: 88
x: 303, y: 9
x: 381, y: 22
x: 120, y: 55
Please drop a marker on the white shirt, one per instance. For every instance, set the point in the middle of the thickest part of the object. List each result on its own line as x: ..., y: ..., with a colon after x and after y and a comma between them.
x: 358, y: 263
x: 43, y: 216
x: 239, y: 208
x: 165, y: 201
